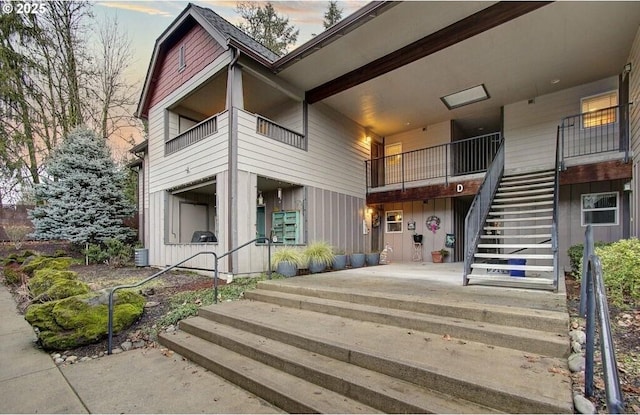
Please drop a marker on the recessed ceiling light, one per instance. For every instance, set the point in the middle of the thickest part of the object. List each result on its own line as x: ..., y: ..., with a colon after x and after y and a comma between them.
x: 466, y: 97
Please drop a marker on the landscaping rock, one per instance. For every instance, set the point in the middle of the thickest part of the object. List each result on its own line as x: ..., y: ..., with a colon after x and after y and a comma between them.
x: 126, y: 346
x: 576, y: 362
x: 578, y: 336
x: 576, y: 347
x: 583, y: 405
x: 82, y: 319
x: 53, y: 284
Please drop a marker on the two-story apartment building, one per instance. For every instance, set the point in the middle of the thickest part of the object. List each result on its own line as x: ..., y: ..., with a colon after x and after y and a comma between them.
x: 385, y: 125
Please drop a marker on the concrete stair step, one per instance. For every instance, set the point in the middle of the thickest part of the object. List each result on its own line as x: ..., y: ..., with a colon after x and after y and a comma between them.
x: 542, y: 320
x: 441, y: 363
x: 505, y: 280
x: 288, y: 392
x: 534, y: 341
x: 482, y: 265
x: 513, y: 256
x: 543, y: 236
x: 524, y: 204
x: 510, y: 187
x: 520, y: 212
x: 382, y: 392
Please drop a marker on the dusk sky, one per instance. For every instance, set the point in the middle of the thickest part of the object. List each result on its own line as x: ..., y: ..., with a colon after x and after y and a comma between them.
x: 145, y: 20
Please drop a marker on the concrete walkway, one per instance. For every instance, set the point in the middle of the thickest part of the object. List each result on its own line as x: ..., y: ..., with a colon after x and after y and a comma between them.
x: 138, y: 381
x: 154, y: 381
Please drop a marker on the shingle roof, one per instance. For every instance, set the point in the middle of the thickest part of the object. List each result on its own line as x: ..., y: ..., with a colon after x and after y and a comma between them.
x: 233, y: 32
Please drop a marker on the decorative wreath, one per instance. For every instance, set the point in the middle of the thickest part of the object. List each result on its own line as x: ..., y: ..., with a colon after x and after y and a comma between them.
x: 433, y: 223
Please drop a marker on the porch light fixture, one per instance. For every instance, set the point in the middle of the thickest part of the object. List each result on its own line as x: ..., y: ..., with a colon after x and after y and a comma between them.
x: 465, y: 97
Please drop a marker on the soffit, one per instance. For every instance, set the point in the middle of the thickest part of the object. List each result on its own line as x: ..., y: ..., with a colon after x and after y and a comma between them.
x: 576, y: 42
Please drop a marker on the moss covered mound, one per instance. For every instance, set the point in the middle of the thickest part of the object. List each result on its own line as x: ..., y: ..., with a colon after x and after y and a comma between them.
x: 42, y: 262
x: 82, y: 319
x: 53, y: 284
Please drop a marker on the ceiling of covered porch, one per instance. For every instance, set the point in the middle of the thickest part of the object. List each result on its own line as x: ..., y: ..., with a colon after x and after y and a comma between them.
x: 551, y: 48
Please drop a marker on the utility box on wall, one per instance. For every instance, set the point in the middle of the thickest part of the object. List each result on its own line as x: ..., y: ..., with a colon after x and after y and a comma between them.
x: 286, y: 226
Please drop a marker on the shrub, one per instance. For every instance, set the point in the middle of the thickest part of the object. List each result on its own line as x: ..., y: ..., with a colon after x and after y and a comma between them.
x: 41, y: 262
x: 621, y: 269
x: 12, y: 276
x: 17, y: 234
x: 576, y: 252
x: 114, y: 253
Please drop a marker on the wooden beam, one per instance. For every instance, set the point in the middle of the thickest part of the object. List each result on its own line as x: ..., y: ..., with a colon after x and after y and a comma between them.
x: 457, y: 32
x: 597, y: 172
x: 435, y: 191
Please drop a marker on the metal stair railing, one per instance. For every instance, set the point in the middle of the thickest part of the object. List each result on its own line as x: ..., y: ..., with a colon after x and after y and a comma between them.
x: 554, y: 220
x: 479, y: 210
x: 594, y: 306
x: 159, y: 273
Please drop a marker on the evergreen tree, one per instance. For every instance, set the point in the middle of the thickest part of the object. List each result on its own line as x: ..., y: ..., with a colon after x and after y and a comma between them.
x: 81, y: 199
x: 267, y: 27
x: 332, y: 15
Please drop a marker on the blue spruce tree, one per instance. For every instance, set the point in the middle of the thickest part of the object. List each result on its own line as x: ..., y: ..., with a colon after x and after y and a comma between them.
x: 82, y: 196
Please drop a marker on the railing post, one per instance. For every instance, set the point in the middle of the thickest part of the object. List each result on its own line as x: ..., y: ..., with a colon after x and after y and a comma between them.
x: 215, y: 279
x: 402, y: 170
x: 446, y: 164
x: 586, y: 253
x: 269, y: 258
x: 590, y: 332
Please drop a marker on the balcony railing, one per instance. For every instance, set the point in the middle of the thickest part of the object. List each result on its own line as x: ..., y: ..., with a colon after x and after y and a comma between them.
x: 192, y: 135
x: 472, y: 155
x: 595, y: 132
x: 279, y: 133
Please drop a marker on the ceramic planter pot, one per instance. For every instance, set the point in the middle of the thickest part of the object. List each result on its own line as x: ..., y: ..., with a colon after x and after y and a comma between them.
x: 316, y: 267
x: 436, y: 256
x: 373, y: 259
x: 339, y: 262
x: 357, y: 260
x: 288, y: 269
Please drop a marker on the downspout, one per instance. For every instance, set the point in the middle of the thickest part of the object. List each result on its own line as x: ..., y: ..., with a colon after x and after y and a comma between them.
x: 232, y: 188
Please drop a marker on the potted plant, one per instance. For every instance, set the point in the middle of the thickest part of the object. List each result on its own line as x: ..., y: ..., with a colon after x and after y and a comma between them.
x: 339, y: 259
x: 286, y: 261
x: 439, y: 256
x: 417, y: 238
x: 372, y: 258
x: 318, y: 255
x: 357, y: 260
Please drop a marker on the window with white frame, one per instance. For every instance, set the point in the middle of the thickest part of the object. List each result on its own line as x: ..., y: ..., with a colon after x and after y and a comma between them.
x: 393, y: 221
x: 599, y: 209
x: 599, y: 109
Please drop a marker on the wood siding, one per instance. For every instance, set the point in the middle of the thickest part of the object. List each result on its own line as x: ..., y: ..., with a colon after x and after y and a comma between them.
x: 200, y: 49
x: 570, y: 229
x: 419, y: 211
x: 530, y: 129
x: 634, y: 96
x: 334, y: 160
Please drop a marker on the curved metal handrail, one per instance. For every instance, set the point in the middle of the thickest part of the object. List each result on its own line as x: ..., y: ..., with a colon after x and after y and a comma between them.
x: 159, y: 273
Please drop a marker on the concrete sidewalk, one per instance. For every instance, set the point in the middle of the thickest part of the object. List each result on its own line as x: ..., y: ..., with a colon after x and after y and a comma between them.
x: 138, y: 381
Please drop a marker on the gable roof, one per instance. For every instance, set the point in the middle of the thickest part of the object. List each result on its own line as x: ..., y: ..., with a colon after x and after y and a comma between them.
x: 225, y: 33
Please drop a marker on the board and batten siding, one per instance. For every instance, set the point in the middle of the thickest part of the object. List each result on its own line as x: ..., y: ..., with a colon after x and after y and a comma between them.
x: 334, y: 159
x: 530, y: 129
x: 419, y: 211
x: 570, y: 229
x: 634, y: 118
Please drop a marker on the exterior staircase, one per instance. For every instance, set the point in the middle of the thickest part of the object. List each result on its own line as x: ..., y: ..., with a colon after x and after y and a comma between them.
x: 345, y: 342
x: 517, y: 237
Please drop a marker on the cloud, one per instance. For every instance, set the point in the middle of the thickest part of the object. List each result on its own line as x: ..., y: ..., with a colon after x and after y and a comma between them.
x: 136, y: 7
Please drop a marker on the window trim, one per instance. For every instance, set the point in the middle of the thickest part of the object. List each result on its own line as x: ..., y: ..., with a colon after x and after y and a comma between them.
x: 585, y: 114
x: 616, y: 209
x: 387, y: 222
